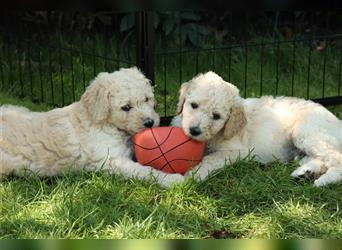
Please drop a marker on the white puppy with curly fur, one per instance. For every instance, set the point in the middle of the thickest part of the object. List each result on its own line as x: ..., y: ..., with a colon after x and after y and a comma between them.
x: 211, y: 110
x: 90, y: 134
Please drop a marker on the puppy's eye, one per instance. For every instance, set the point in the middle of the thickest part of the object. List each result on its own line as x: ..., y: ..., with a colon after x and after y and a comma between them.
x: 147, y: 99
x: 216, y: 116
x: 126, y: 108
x: 194, y: 105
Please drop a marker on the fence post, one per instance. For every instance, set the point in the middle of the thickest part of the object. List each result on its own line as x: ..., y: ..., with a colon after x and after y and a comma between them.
x: 145, y: 42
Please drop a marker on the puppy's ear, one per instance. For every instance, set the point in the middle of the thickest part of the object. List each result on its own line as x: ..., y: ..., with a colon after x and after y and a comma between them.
x: 96, y: 101
x: 182, y: 93
x: 236, y: 121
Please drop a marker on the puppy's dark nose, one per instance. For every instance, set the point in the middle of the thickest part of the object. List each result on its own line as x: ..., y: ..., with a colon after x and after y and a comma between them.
x: 148, y: 122
x: 195, y: 131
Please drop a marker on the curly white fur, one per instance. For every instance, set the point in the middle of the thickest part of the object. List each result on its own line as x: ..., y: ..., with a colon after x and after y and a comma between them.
x: 90, y: 134
x: 271, y: 128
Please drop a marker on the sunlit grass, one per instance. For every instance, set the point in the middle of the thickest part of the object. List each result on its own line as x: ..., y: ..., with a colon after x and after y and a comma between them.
x: 244, y: 200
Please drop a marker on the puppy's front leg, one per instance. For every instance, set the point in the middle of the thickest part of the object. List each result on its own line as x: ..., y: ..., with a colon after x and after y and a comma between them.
x: 131, y: 169
x: 211, y: 162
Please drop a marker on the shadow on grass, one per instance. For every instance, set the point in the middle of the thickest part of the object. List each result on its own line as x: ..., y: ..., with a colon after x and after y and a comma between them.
x: 16, y: 229
x: 289, y: 208
x: 244, y: 200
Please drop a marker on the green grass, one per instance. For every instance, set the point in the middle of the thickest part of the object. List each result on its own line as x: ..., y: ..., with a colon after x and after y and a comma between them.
x: 8, y: 99
x: 244, y: 200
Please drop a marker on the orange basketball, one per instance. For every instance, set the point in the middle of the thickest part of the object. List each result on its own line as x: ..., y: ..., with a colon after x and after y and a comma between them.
x: 167, y: 149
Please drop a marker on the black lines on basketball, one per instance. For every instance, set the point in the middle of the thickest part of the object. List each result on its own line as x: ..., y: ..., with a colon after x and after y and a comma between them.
x: 167, y: 151
x: 168, y: 162
x: 161, y: 151
x: 167, y: 137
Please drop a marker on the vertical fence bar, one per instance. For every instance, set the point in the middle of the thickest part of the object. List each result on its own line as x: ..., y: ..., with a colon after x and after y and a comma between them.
x: 61, y: 66
x: 339, y: 74
x: 229, y: 63
x: 214, y: 47
x: 246, y: 19
x: 230, y: 48
x: 180, y: 47
x: 164, y: 93
x: 246, y: 58
x: 41, y: 75
x: 19, y: 70
x: 127, y: 49
x: 165, y: 89
x: 261, y: 66
x: 94, y: 56
x: 275, y: 33
x: 82, y: 61
x: 309, y: 55
x: 293, y: 66
x: 10, y: 66
x: 40, y: 70
x: 308, y: 78
x: 145, y: 43
x: 139, y: 33
x: 150, y: 45
x: 213, y: 54
x: 197, y: 39
x: 327, y: 21
x: 8, y: 22
x: 293, y: 54
x: 118, y: 54
x: 51, y: 75
x: 1, y: 69
x: 105, y: 51
x: 72, y: 73
x: 277, y: 68
x: 324, y: 66
x: 19, y: 52
x: 29, y: 55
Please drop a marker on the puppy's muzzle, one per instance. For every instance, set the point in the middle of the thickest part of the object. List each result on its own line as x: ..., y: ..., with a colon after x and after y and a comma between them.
x: 148, y: 122
x: 194, y: 131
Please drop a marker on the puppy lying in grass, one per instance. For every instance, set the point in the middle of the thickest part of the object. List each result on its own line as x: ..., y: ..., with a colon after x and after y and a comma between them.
x: 210, y: 109
x: 91, y: 134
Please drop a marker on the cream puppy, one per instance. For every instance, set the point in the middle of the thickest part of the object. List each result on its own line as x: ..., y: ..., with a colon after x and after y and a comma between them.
x: 210, y: 109
x: 91, y: 134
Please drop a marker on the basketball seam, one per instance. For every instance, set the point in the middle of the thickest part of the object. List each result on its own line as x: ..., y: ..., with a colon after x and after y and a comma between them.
x: 167, y: 137
x: 167, y: 151
x: 161, y: 151
x: 179, y: 160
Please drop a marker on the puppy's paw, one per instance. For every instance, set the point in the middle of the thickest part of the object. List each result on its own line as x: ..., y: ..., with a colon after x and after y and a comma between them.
x: 333, y: 175
x: 169, y: 179
x: 320, y: 183
x: 309, y: 169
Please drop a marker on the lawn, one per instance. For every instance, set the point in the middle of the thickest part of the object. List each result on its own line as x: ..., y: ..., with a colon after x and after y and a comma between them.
x: 244, y: 200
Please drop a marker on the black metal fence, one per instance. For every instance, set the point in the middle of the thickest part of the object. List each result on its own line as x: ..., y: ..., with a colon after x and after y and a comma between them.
x: 286, y: 56
x: 51, y: 60
x: 53, y: 63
